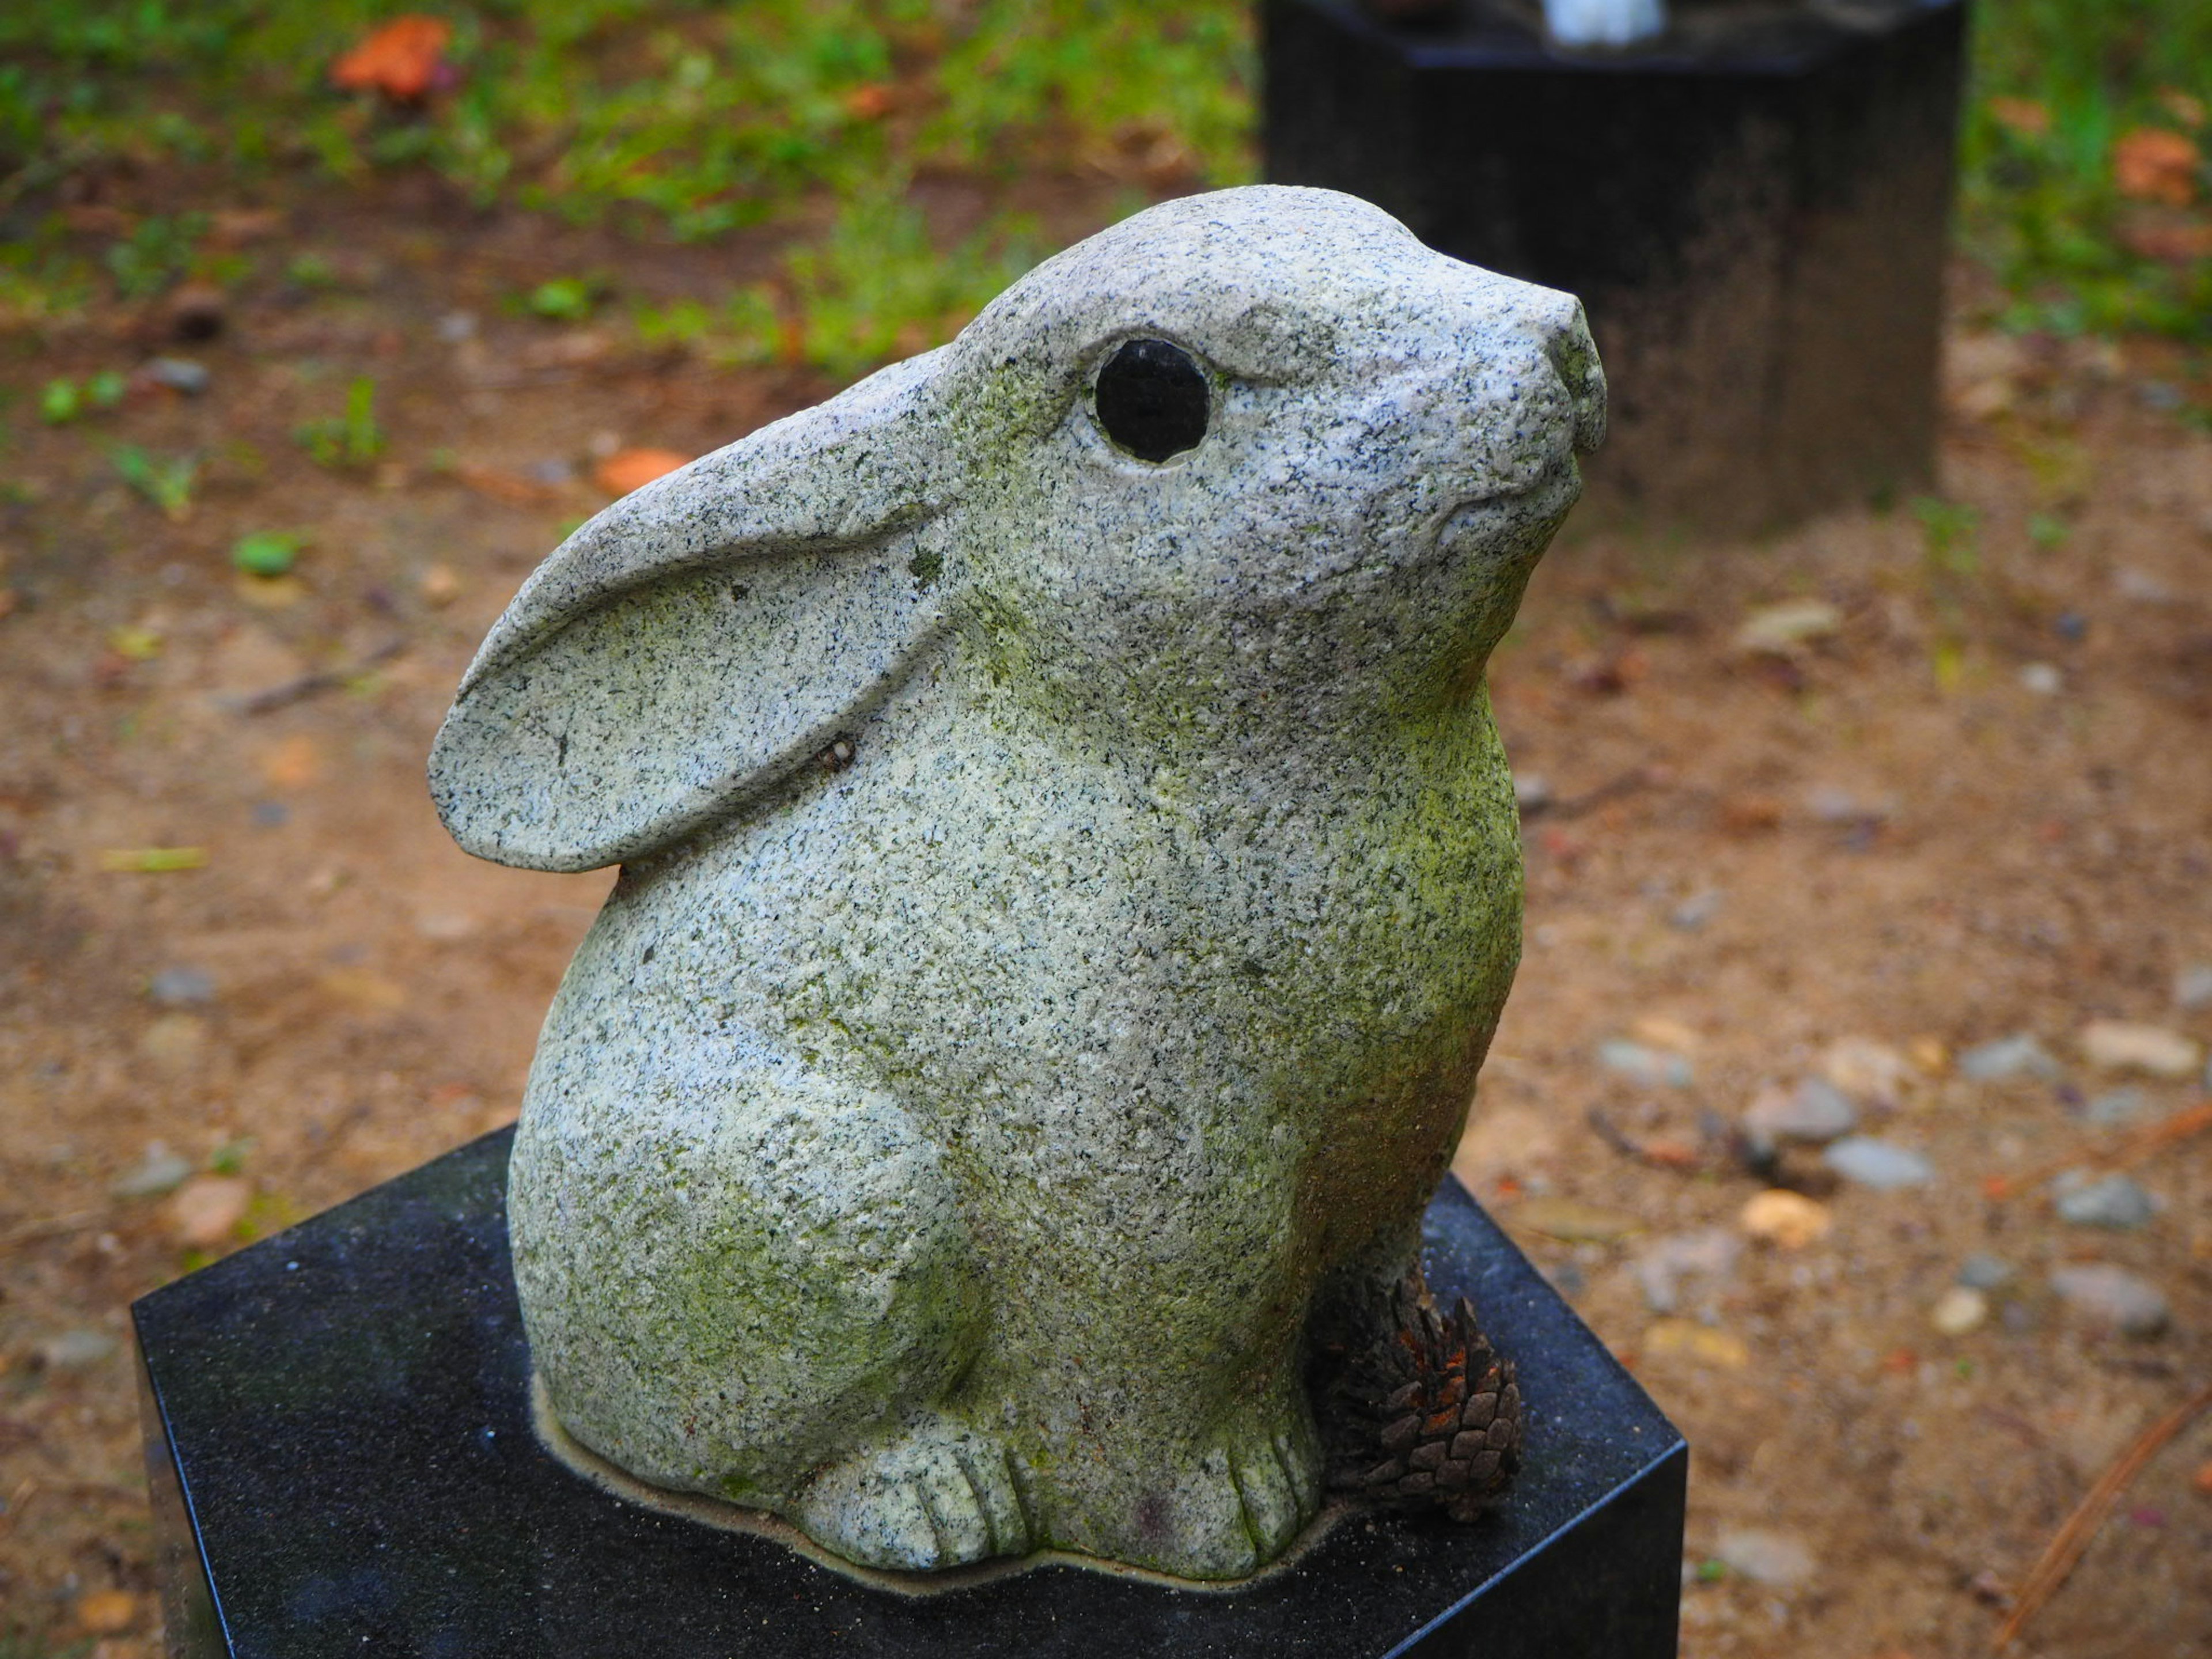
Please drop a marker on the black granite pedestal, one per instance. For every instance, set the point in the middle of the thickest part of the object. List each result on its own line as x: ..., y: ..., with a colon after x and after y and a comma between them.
x: 1753, y: 210
x: 339, y: 1428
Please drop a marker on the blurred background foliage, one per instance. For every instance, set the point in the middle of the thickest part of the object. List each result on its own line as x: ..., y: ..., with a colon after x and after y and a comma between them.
x: 2083, y: 189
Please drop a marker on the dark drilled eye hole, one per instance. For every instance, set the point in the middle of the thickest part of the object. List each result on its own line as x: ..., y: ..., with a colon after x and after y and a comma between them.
x: 1152, y: 399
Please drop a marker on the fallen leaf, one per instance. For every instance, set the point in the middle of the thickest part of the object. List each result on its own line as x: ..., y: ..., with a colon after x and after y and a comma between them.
x: 292, y: 763
x: 404, y: 59
x: 1929, y: 1055
x: 206, y: 1210
x: 1750, y: 815
x: 1691, y: 1341
x: 138, y: 644
x: 1572, y: 1222
x: 2023, y: 116
x: 632, y: 469
x: 2152, y: 165
x: 1665, y: 1033
x: 106, y: 1613
x: 238, y: 227
x: 1787, y: 1220
x: 154, y: 860
x: 174, y: 1040
x: 870, y: 103
x: 270, y: 593
x: 509, y: 487
x: 369, y: 993
x: 2118, y: 1045
x: 1785, y: 629
x: 2174, y: 241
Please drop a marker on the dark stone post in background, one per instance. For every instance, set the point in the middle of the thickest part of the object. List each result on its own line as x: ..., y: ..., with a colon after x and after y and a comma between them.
x: 1753, y: 207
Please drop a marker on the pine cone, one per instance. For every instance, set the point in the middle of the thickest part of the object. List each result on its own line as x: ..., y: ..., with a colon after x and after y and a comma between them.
x: 1430, y: 1415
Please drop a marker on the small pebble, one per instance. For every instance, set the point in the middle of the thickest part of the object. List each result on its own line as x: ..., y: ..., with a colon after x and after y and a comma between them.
x: 1694, y: 912
x: 2113, y: 1298
x: 270, y: 814
x: 2019, y: 1055
x: 1983, y: 1272
x: 2116, y: 1106
x: 2114, y: 1201
x: 1651, y: 1067
x: 1532, y: 793
x: 551, y: 472
x: 158, y: 1171
x: 1832, y: 805
x: 456, y: 326
x: 1877, y: 1164
x: 1786, y: 629
x: 77, y: 1350
x: 1662, y: 1264
x: 2119, y: 1045
x: 179, y: 374
x: 2192, y: 986
x: 1785, y: 1218
x: 1960, y: 1310
x: 179, y: 988
x: 1815, y: 1111
x: 2070, y: 626
x: 1870, y: 1073
x: 2042, y: 679
x: 1773, y: 1558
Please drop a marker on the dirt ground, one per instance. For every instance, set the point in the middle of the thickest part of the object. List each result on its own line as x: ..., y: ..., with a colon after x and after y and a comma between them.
x: 1963, y: 803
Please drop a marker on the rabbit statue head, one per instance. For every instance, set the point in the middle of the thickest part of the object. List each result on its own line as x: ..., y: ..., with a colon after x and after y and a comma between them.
x: 1070, y: 878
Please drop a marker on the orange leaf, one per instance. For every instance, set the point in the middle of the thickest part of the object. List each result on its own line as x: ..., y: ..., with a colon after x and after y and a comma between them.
x: 2023, y: 116
x: 2152, y: 165
x: 632, y: 469
x: 869, y: 103
x: 403, y: 60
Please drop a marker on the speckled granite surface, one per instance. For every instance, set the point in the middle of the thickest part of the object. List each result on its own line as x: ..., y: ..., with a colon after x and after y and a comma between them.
x: 1066, y: 896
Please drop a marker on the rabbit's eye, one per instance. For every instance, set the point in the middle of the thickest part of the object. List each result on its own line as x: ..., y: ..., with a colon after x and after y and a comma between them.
x: 1152, y: 399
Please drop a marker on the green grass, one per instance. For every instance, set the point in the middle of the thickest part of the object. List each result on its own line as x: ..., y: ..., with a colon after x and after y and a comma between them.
x: 692, y: 118
x: 689, y: 119
x: 2042, y: 209
x: 696, y: 116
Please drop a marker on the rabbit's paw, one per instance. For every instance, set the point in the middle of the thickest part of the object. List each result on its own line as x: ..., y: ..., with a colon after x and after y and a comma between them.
x: 1223, y: 1512
x: 939, y: 1496
x: 1277, y: 1477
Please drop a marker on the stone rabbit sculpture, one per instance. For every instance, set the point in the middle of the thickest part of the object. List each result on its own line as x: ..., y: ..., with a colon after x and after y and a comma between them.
x: 1070, y: 877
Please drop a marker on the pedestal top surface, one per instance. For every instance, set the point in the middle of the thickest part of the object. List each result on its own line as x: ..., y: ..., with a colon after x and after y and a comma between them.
x: 348, y: 1407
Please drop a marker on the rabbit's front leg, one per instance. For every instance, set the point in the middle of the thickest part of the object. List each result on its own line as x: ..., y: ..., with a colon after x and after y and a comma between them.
x: 736, y: 1267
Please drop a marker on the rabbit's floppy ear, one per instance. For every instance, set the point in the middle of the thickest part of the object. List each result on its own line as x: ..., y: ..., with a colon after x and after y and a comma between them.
x: 704, y: 636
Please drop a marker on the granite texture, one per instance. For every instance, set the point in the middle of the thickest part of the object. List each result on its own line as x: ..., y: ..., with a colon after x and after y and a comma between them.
x: 1066, y: 896
x: 339, y: 1436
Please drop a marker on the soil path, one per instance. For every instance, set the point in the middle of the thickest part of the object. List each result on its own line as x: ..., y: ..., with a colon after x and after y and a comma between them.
x: 1973, y: 800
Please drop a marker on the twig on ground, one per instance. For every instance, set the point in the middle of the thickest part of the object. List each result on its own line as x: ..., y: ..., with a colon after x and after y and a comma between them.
x: 1575, y: 806
x: 1655, y: 1154
x: 2066, y: 1546
x: 2124, y: 1153
x: 30, y: 1232
x: 327, y: 679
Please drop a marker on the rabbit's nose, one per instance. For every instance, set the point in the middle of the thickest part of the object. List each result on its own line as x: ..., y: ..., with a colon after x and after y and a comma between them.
x: 1573, y: 358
